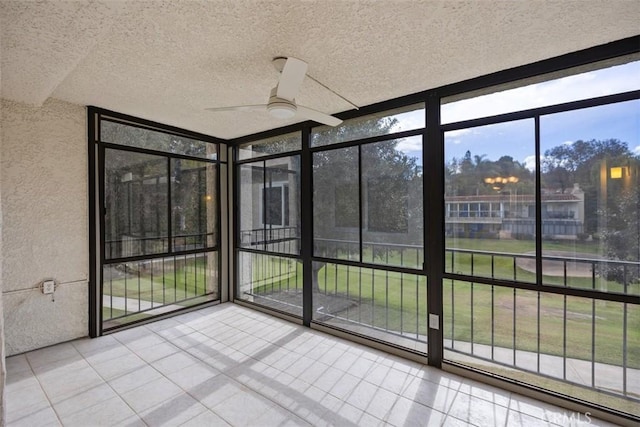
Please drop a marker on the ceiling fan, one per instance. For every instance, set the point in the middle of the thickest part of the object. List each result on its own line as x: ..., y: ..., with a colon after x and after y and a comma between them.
x: 282, y: 103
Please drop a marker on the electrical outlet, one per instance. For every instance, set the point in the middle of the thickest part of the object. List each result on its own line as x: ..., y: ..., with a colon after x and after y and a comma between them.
x: 434, y: 321
x: 48, y: 287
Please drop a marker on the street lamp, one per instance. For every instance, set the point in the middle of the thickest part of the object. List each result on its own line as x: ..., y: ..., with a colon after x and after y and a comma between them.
x: 500, y: 181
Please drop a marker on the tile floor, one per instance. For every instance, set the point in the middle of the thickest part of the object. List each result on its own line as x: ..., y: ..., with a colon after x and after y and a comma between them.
x: 229, y: 365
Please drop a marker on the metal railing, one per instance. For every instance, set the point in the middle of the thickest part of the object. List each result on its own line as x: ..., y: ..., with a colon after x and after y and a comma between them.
x: 566, y: 271
x: 376, y: 301
x: 578, y: 340
x: 399, y: 255
x: 272, y: 239
x: 144, y: 287
x: 392, y: 303
x: 133, y: 246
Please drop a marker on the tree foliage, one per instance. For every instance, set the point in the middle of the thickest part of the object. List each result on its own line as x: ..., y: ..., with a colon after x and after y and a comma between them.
x: 466, y: 176
x: 584, y: 163
x: 611, y: 206
x: 621, y: 236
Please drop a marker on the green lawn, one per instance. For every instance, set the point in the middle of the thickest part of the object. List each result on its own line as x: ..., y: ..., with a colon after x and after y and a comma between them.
x: 503, y: 267
x: 522, y: 246
x: 499, y: 302
x: 188, y: 280
x: 397, y: 302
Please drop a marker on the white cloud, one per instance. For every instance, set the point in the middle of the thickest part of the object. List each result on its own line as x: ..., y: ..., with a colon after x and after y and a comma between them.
x: 409, y: 120
x: 637, y: 150
x: 530, y: 162
x: 568, y: 143
x: 410, y: 145
x: 595, y: 83
x: 457, y: 133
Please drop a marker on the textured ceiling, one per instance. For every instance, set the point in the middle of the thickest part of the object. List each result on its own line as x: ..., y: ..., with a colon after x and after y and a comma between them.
x: 167, y: 60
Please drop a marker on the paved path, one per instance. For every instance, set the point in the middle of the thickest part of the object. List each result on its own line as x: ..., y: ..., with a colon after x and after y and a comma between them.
x: 607, y: 377
x: 132, y: 305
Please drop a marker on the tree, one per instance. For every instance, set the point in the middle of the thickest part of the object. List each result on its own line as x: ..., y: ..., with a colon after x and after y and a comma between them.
x: 466, y: 176
x: 384, y: 184
x: 612, y: 206
x: 581, y: 163
x: 136, y: 185
x: 621, y: 237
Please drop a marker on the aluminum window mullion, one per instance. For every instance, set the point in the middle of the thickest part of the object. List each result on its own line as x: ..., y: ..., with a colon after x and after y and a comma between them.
x: 169, y: 208
x: 368, y: 140
x: 542, y: 111
x: 159, y: 153
x: 538, y: 197
x: 360, y: 200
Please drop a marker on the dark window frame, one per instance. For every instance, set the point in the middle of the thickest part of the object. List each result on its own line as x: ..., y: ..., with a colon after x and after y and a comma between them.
x: 97, y: 210
x: 433, y: 161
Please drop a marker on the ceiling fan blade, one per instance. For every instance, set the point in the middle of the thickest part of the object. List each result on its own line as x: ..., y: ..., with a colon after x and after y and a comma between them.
x: 291, y: 78
x: 318, y: 116
x: 261, y: 107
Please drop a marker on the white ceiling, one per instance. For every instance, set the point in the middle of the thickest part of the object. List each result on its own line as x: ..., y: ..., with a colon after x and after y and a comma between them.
x: 167, y: 60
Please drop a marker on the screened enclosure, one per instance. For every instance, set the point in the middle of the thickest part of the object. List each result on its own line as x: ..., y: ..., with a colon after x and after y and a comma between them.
x: 159, y: 230
x: 491, y: 225
x: 494, y: 228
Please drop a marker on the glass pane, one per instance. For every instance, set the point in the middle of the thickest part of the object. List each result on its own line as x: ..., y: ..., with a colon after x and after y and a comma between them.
x: 273, y: 210
x: 136, y: 203
x: 570, y: 345
x: 598, y: 82
x: 251, y: 185
x: 390, y: 121
x: 281, y: 205
x: 141, y: 289
x: 275, y: 145
x: 336, y: 204
x: 591, y: 198
x: 270, y: 205
x: 392, y: 230
x: 193, y: 204
x: 490, y: 201
x: 118, y: 133
x: 271, y: 281
x: 384, y: 305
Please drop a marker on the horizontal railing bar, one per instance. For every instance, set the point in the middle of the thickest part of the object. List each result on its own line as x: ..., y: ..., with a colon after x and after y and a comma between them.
x: 269, y: 242
x: 562, y: 290
x: 177, y: 302
x: 265, y: 252
x: 159, y: 255
x: 384, y: 267
x: 161, y: 238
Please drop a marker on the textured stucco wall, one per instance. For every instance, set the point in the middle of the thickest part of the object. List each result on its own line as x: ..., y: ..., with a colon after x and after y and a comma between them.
x: 2, y: 364
x: 43, y: 173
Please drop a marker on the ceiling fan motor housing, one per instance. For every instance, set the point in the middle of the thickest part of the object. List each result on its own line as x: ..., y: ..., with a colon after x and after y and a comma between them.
x: 281, y: 108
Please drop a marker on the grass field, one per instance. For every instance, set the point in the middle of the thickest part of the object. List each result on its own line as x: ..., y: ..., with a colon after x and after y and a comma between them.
x: 397, y: 302
x: 162, y: 285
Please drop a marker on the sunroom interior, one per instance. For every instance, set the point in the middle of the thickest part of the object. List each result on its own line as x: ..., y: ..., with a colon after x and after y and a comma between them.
x: 469, y: 210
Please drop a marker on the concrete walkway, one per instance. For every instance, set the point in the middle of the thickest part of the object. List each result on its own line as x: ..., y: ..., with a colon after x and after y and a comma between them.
x: 607, y: 377
x: 132, y: 305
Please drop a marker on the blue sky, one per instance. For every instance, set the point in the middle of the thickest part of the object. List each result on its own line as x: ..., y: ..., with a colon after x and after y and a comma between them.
x: 620, y: 121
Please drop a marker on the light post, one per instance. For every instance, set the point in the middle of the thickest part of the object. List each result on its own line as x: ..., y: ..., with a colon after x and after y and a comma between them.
x: 497, y: 183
